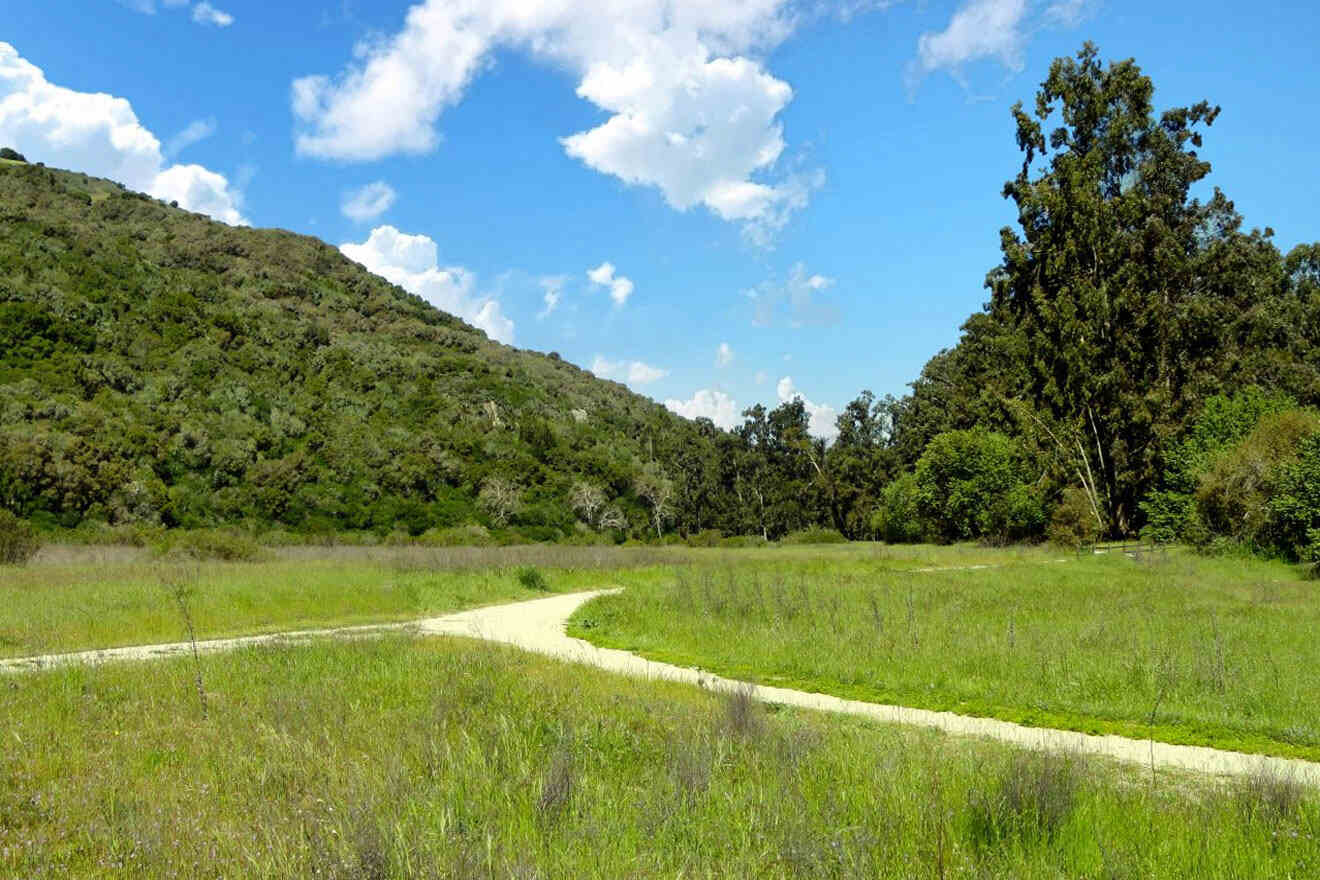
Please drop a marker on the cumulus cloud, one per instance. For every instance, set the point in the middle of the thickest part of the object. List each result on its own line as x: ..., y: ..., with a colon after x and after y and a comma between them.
x: 632, y: 372
x: 723, y: 355
x: 821, y: 417
x: 197, y: 130
x: 795, y: 300
x: 620, y: 288
x: 412, y: 262
x: 553, y: 290
x: 988, y: 29
x: 205, y: 13
x: 100, y: 134
x: 368, y: 202
x: 717, y: 406
x: 691, y: 109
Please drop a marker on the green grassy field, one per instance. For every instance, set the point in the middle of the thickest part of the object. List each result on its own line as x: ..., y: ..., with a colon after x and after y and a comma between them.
x: 448, y: 758
x: 76, y: 598
x: 1185, y: 649
x: 80, y: 597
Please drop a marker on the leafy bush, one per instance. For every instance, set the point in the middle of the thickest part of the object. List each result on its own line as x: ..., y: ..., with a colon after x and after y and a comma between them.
x: 1073, y: 523
x: 744, y: 541
x: 897, y: 520
x: 976, y: 484
x: 457, y: 536
x: 531, y: 578
x: 1016, y: 515
x: 211, y: 544
x: 18, y: 542
x: 1224, y: 421
x: 1234, y: 495
x: 705, y: 538
x: 814, y: 535
x: 1169, y: 516
x: 11, y: 154
x: 1295, y: 507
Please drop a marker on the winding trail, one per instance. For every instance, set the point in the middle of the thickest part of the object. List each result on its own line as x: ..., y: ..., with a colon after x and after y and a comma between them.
x: 538, y: 626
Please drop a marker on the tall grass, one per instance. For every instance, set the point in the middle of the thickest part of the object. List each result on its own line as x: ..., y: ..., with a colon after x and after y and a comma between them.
x: 93, y: 596
x: 447, y: 758
x: 1177, y: 647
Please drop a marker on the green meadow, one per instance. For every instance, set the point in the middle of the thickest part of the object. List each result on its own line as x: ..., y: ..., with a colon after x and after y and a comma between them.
x: 1179, y: 647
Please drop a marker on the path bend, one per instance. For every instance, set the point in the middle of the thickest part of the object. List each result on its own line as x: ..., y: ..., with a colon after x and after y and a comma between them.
x: 539, y: 625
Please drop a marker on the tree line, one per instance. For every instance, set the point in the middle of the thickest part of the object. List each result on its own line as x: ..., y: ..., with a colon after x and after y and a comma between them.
x: 1128, y: 304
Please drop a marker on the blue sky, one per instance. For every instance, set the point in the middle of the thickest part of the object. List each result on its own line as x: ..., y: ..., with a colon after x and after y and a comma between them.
x: 721, y: 204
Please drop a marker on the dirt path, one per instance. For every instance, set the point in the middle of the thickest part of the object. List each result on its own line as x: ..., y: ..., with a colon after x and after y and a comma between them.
x: 538, y: 626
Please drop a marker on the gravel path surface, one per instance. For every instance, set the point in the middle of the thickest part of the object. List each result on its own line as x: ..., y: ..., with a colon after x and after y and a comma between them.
x: 538, y: 626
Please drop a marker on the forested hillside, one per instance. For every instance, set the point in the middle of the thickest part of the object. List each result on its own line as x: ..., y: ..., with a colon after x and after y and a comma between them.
x: 1141, y: 362
x: 158, y: 367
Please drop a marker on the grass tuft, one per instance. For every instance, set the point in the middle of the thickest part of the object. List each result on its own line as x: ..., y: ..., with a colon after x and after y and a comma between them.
x: 1034, y: 796
x: 1269, y: 796
x: 530, y: 577
x: 558, y: 783
x: 744, y: 717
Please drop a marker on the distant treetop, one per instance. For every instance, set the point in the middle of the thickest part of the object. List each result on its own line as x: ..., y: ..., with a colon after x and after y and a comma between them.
x: 15, y: 155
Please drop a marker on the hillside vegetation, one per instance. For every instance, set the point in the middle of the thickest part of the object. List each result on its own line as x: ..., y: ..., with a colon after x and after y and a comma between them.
x: 157, y: 367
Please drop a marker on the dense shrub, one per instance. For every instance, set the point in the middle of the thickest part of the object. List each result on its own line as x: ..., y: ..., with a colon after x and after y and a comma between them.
x: 1224, y: 421
x: 705, y: 538
x: 977, y: 484
x: 744, y: 541
x: 1233, y: 498
x: 1295, y: 507
x: 18, y: 541
x: 531, y: 578
x: 211, y: 544
x: 896, y: 519
x: 12, y: 154
x: 457, y: 536
x: 1074, y: 523
x: 1169, y: 516
x: 814, y: 535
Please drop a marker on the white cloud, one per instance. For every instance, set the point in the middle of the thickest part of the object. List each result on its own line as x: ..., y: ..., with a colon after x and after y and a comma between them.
x: 821, y: 417
x: 553, y: 287
x: 692, y: 111
x: 197, y: 130
x: 795, y: 300
x: 994, y: 29
x: 1067, y: 13
x: 620, y: 287
x: 199, y: 189
x: 717, y: 406
x: 202, y: 13
x: 205, y: 13
x: 99, y: 134
x: 723, y: 355
x: 368, y: 202
x: 412, y: 262
x: 632, y: 372
x: 148, y: 7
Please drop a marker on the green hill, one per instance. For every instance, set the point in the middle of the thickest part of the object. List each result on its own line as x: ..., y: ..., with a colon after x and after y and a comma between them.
x: 159, y: 367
